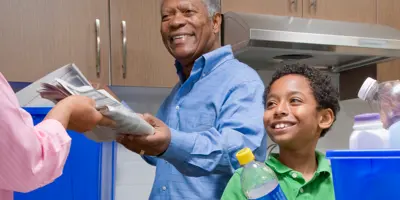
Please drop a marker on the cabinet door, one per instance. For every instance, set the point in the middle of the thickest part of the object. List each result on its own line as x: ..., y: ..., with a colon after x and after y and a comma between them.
x: 273, y: 7
x: 389, y: 14
x: 39, y: 36
x: 144, y: 60
x: 341, y: 10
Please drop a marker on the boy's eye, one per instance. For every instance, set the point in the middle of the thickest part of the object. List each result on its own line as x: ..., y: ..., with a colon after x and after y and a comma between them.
x: 295, y: 100
x: 270, y: 104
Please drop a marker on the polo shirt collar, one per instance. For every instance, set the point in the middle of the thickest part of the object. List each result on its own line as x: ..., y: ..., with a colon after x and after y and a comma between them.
x: 278, y: 167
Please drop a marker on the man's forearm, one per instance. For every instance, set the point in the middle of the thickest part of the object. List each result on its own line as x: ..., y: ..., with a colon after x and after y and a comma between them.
x: 205, y: 153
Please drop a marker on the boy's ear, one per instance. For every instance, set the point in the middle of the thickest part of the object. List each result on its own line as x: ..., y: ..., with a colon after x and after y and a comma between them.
x: 326, y: 118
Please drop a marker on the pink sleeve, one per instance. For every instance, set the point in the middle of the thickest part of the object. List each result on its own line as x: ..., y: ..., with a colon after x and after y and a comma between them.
x: 30, y: 156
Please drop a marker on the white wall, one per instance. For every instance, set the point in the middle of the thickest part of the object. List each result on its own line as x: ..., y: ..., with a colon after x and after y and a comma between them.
x: 134, y: 177
x: 338, y: 137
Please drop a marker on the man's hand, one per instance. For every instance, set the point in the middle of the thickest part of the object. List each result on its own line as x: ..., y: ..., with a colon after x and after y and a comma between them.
x: 152, y: 145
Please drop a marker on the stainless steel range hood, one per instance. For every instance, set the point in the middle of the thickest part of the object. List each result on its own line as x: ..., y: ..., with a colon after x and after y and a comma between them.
x: 263, y: 41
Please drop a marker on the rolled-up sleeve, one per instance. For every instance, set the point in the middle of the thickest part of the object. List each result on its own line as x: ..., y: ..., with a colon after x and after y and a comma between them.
x: 239, y: 125
x: 30, y: 156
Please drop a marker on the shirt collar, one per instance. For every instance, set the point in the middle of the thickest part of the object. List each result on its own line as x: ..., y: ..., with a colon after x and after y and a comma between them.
x: 207, y: 62
x: 323, y: 163
x: 278, y: 167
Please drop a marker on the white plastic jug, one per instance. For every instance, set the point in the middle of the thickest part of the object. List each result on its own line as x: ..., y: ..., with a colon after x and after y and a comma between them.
x: 368, y: 132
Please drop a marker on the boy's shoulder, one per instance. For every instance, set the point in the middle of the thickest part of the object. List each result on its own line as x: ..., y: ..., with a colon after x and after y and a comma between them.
x: 323, y: 162
x: 273, y: 163
x: 239, y: 171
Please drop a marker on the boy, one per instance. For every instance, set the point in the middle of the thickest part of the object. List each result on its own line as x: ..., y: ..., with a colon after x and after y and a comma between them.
x: 300, y: 107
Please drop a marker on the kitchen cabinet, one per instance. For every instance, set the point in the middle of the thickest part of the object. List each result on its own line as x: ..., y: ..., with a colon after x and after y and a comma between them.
x: 342, y: 10
x: 388, y: 14
x: 138, y: 55
x: 273, y: 7
x: 39, y: 36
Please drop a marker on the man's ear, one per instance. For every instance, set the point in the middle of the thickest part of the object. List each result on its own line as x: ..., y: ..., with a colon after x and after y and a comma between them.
x: 326, y: 118
x: 217, y: 20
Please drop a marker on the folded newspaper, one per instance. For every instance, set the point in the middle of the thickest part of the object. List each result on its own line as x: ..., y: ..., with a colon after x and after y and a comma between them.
x: 67, y: 81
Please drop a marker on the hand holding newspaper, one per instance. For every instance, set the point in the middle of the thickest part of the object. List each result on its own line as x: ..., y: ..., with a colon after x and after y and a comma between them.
x: 56, y: 88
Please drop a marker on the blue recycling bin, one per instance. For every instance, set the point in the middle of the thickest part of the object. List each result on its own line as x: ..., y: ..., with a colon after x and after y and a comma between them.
x: 365, y: 174
x: 81, y: 178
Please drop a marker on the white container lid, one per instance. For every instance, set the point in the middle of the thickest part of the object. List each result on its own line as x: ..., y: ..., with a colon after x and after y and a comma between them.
x: 366, y: 87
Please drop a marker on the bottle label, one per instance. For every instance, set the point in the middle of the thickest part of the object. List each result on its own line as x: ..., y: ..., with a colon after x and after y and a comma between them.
x: 276, y: 194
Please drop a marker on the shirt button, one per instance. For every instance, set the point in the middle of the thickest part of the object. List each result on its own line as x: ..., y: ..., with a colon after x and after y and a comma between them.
x: 164, y: 188
x: 177, y: 107
x: 204, y: 75
x: 294, y: 175
x: 301, y: 190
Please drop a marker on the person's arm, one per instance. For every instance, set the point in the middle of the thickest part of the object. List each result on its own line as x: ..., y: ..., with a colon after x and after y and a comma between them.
x: 151, y: 160
x: 233, y: 191
x: 239, y: 125
x: 30, y: 156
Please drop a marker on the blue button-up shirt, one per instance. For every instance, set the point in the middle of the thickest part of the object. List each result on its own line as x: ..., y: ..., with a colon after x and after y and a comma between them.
x: 216, y: 112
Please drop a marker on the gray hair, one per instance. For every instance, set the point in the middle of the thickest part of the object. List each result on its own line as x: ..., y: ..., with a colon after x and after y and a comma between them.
x: 213, y: 6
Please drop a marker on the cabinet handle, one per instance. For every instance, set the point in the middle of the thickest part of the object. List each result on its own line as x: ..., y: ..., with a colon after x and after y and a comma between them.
x: 123, y: 31
x: 98, y: 47
x: 313, y: 4
x: 294, y: 3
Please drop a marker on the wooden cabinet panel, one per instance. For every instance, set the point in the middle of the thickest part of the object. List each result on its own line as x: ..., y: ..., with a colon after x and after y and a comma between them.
x: 273, y: 7
x: 341, y: 10
x: 39, y: 36
x: 389, y: 14
x: 388, y: 71
x: 148, y: 63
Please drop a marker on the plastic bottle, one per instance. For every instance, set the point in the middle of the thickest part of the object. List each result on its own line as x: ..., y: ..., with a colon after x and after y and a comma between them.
x: 258, y: 181
x: 385, y: 97
x: 368, y: 132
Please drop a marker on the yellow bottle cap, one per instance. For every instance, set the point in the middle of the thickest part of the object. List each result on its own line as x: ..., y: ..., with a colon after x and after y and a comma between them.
x: 245, y: 156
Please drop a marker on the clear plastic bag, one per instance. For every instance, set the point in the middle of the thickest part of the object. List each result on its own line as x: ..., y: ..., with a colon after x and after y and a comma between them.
x: 384, y: 98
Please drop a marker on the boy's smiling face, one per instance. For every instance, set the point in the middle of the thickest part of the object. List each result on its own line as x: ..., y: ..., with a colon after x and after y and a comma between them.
x: 291, y: 118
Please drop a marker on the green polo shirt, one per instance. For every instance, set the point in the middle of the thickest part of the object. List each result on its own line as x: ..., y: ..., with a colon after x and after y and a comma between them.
x: 320, y: 187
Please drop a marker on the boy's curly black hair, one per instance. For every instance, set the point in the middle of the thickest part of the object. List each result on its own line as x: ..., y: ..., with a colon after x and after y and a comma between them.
x: 325, y: 93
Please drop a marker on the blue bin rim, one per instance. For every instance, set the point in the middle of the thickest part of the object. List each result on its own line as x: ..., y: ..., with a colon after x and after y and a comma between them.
x: 348, y: 154
x: 37, y: 110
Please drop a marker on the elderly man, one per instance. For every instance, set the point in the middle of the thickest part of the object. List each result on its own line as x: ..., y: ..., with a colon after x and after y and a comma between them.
x: 215, y: 110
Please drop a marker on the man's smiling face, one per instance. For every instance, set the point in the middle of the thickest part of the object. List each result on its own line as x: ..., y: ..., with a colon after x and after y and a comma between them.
x: 186, y: 29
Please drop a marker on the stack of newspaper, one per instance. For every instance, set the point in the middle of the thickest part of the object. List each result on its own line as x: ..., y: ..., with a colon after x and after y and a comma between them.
x: 68, y: 80
x: 63, y: 89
